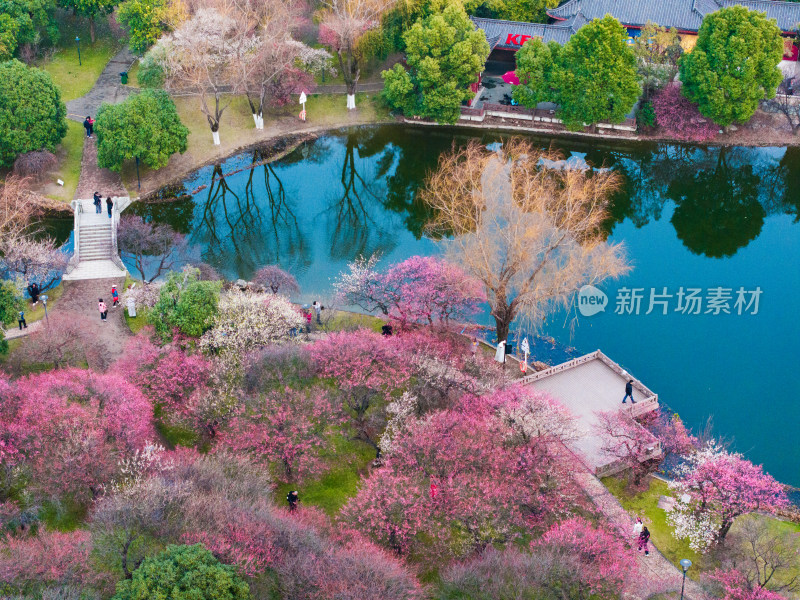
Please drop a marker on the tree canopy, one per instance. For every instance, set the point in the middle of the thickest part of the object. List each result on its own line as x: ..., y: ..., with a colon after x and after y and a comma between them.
x: 22, y: 21
x: 146, y: 126
x: 148, y: 20
x: 32, y: 115
x: 592, y: 78
x: 90, y: 9
x: 734, y: 64
x: 444, y: 53
x: 183, y: 573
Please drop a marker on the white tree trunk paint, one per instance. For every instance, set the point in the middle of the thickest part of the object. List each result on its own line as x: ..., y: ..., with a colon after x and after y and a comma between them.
x: 351, y: 101
x: 255, y: 119
x: 260, y: 124
x: 215, y: 135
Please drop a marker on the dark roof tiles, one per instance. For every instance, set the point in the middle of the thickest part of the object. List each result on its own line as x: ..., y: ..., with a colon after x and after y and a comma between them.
x: 685, y: 15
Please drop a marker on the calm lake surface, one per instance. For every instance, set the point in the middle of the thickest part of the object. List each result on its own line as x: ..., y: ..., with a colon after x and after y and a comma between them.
x: 690, y: 217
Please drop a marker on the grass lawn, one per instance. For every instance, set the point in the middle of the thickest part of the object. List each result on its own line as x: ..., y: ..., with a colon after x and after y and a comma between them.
x: 645, y: 503
x: 330, y: 492
x: 238, y: 130
x: 69, y: 154
x: 36, y: 313
x: 345, y: 321
x: 73, y: 79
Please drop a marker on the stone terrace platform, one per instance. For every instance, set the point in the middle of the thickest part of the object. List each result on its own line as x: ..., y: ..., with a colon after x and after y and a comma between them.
x: 588, y: 385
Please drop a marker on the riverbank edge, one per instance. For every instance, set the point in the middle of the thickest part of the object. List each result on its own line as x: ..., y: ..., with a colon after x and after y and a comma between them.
x: 148, y: 192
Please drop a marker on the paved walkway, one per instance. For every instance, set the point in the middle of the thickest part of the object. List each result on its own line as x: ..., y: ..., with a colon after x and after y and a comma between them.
x: 16, y: 332
x: 107, y: 88
x: 94, y: 179
x: 656, y: 573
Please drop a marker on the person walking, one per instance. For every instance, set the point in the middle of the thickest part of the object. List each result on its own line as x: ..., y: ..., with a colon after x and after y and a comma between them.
x: 644, y: 537
x: 21, y: 320
x: 114, y: 296
x: 292, y: 498
x: 629, y: 392
x: 88, y: 125
x: 103, y: 309
x: 637, y: 527
x: 33, y: 292
x: 110, y: 205
x: 318, y: 309
x: 473, y: 348
x: 98, y: 203
x: 307, y: 315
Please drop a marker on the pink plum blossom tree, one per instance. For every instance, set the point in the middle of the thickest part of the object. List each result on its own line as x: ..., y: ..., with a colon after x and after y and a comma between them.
x: 277, y: 280
x: 713, y: 488
x: 627, y: 442
x: 421, y: 289
x: 735, y: 586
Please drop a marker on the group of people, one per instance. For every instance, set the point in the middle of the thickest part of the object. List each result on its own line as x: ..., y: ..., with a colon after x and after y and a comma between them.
x: 305, y: 311
x: 88, y: 125
x: 104, y: 308
x: 642, y: 536
x: 98, y: 204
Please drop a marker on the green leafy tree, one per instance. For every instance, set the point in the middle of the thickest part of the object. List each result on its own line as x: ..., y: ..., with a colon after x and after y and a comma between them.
x: 147, y: 20
x: 11, y: 302
x: 145, y: 126
x: 25, y: 21
x: 445, y: 53
x: 183, y: 573
x: 596, y: 79
x: 32, y: 115
x: 536, y: 63
x: 187, y: 303
x: 592, y: 78
x: 91, y: 9
x: 734, y: 64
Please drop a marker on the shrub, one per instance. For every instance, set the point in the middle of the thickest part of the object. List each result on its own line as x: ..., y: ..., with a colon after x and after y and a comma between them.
x: 646, y: 116
x: 35, y: 164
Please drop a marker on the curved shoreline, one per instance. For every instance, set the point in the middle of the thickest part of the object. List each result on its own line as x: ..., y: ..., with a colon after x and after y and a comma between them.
x: 308, y: 133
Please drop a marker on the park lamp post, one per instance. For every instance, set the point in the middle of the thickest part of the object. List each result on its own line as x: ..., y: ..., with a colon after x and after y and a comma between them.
x: 44, y: 301
x: 685, y: 564
x: 78, y: 43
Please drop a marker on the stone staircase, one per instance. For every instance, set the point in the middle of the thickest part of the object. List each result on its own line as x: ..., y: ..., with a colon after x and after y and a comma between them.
x: 96, y: 255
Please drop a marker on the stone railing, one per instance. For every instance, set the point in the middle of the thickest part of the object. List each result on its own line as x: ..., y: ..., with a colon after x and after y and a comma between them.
x: 77, y: 211
x: 542, y: 115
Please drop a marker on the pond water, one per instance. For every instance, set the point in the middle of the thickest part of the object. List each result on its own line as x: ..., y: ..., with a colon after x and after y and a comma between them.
x: 690, y: 217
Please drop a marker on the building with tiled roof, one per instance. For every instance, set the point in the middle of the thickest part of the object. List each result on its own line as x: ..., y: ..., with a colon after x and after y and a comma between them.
x: 683, y: 15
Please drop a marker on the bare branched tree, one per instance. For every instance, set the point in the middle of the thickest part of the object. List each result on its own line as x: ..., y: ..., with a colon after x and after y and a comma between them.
x: 532, y: 233
x: 768, y: 557
x: 344, y: 24
x: 786, y: 104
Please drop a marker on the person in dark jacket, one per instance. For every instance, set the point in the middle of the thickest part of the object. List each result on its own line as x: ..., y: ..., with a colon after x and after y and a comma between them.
x: 98, y: 203
x: 292, y: 498
x: 21, y: 320
x: 629, y: 392
x: 88, y: 125
x: 33, y: 292
x: 644, y: 537
x: 110, y: 205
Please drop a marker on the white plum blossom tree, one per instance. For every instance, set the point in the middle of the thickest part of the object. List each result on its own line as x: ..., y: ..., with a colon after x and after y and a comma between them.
x: 247, y: 321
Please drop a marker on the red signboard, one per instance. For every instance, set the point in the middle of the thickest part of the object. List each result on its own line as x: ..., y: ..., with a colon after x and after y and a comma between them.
x: 517, y: 39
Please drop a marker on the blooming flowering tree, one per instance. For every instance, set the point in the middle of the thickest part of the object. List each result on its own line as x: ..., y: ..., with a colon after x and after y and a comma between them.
x: 343, y: 25
x: 49, y: 557
x: 735, y: 586
x: 679, y: 117
x: 247, y: 321
x: 627, y: 442
x: 714, y: 487
x: 607, y: 562
x: 461, y: 478
x: 35, y: 261
x: 287, y: 429
x: 420, y: 289
x: 367, y: 368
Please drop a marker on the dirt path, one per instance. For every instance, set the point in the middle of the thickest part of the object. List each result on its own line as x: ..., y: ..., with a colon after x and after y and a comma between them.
x: 93, y: 178
x: 80, y: 297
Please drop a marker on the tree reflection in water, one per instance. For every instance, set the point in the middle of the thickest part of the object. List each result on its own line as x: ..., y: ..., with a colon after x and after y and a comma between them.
x: 245, y: 227
x: 352, y: 224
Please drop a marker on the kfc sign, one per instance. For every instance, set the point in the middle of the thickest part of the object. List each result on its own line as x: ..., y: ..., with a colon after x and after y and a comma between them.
x: 517, y: 39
